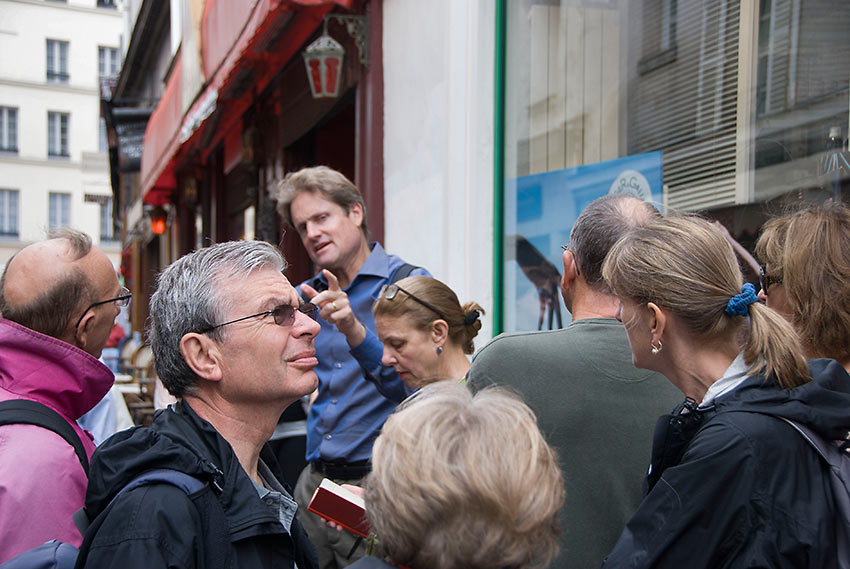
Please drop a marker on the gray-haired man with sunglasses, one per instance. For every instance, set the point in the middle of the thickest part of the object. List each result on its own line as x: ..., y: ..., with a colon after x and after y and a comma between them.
x: 233, y: 341
x: 59, y: 299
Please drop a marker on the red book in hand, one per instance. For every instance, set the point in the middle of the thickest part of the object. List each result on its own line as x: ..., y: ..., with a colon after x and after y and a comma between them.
x: 333, y: 502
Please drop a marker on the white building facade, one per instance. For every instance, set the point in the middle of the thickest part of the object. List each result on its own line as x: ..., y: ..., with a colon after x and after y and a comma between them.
x: 439, y: 60
x: 54, y: 168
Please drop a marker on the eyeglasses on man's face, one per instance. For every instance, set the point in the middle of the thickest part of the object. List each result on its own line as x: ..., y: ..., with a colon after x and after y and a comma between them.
x: 766, y: 280
x: 121, y: 300
x: 283, y: 314
x: 390, y: 291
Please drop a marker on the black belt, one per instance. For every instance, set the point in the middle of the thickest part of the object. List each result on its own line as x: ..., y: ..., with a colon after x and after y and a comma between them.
x: 342, y: 470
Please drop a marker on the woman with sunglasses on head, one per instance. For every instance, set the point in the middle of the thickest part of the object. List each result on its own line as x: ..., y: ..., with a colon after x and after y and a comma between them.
x: 806, y: 277
x: 731, y: 482
x: 426, y: 333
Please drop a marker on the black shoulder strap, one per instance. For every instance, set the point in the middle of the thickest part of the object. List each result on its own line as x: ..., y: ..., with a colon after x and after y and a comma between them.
x: 402, y: 272
x: 26, y: 412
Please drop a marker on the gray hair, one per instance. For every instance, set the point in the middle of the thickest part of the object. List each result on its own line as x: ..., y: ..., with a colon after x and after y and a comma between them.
x: 600, y: 226
x: 189, y: 298
x: 80, y: 243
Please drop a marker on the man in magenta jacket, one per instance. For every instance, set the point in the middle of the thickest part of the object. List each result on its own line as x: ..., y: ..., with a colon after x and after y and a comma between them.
x: 59, y: 299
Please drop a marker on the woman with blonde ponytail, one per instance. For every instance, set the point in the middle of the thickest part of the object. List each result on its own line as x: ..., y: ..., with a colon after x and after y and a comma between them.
x: 427, y: 334
x: 730, y: 484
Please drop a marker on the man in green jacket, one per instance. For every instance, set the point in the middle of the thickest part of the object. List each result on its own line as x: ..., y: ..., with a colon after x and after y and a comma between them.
x: 591, y: 402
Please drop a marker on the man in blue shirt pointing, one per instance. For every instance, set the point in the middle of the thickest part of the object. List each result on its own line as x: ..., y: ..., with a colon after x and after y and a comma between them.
x: 356, y: 392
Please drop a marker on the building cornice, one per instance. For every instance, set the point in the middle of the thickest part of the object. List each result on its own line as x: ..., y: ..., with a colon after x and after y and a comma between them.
x: 53, y: 162
x: 59, y: 87
x: 109, y: 12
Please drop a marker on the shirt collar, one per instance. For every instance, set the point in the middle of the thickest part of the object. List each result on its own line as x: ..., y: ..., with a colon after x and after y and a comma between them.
x: 734, y: 375
x: 275, y: 496
x: 377, y: 263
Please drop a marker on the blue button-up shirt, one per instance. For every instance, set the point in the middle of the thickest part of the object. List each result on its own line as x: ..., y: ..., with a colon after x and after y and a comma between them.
x: 349, y: 410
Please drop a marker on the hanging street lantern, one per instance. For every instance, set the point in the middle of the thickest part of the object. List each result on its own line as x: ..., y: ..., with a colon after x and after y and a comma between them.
x: 323, y: 59
x: 158, y: 217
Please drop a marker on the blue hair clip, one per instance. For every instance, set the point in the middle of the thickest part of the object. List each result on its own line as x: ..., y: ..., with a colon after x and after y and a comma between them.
x: 739, y: 305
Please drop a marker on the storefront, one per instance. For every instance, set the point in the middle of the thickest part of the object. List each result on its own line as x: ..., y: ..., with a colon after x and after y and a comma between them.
x: 736, y: 109
x: 236, y: 113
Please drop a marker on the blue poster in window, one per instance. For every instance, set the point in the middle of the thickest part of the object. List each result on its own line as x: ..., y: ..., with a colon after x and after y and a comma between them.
x: 540, y: 210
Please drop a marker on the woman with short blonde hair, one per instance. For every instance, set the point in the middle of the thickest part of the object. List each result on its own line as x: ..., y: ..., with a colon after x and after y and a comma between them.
x: 463, y: 481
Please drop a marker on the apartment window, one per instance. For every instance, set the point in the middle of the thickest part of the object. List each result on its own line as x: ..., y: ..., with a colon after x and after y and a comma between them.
x: 8, y: 129
x: 57, y: 134
x: 776, y: 43
x: 9, y: 213
x: 668, y: 24
x: 59, y: 214
x: 659, y: 34
x: 57, y: 61
x: 107, y: 227
x: 106, y: 4
x: 108, y: 62
x: 103, y: 139
x: 713, y: 55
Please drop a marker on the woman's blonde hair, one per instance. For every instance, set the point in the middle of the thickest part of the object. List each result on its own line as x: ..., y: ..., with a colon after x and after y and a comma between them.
x: 465, y: 481
x: 464, y: 321
x: 686, y: 265
x: 810, y: 251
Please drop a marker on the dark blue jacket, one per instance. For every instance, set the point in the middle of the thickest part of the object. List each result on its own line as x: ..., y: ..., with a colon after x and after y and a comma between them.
x: 159, y: 525
x: 732, y: 485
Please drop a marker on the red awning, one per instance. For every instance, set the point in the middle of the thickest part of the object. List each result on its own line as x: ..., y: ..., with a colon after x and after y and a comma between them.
x: 158, y: 146
x: 233, y: 36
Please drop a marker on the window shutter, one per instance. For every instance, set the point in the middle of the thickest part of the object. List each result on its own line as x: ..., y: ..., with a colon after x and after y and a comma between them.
x: 687, y: 107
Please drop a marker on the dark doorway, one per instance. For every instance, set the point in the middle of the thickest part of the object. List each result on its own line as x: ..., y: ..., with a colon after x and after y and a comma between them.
x: 330, y: 143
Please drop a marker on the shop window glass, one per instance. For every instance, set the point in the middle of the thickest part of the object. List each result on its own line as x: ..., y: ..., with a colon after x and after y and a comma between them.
x: 716, y: 106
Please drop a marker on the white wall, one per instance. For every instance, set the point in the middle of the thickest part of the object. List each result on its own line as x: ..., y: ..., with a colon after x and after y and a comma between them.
x: 25, y: 26
x: 438, y: 141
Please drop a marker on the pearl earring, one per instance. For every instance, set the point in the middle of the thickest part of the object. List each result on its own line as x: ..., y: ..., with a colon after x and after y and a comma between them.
x: 656, y: 349
x: 439, y: 350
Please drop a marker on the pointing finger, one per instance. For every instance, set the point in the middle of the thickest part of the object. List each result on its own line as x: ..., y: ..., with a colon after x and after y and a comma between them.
x: 333, y: 282
x: 309, y: 291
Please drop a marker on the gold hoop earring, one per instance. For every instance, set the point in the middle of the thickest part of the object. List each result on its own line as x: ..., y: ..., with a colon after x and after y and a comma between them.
x: 656, y: 349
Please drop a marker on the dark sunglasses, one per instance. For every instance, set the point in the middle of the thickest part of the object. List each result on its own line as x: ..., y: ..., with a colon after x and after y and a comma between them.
x: 283, y: 314
x: 389, y: 292
x: 766, y: 280
x: 121, y: 300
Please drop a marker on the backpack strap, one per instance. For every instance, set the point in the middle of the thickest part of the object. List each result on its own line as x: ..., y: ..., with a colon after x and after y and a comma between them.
x: 402, y: 272
x: 214, y: 531
x: 26, y: 412
x: 186, y: 482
